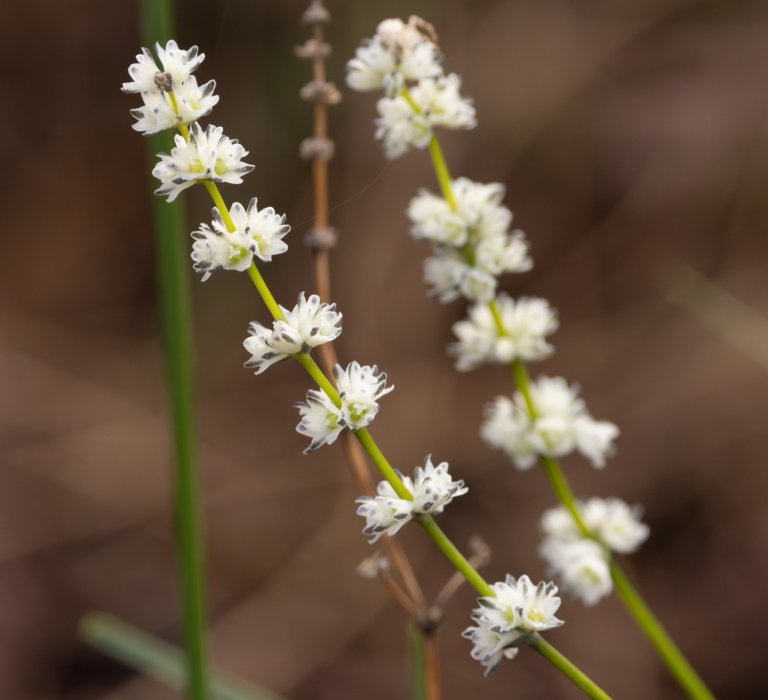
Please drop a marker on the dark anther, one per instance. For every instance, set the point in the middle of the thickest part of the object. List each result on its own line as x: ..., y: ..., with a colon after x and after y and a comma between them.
x: 314, y: 147
x: 321, y: 238
x: 319, y: 91
x: 164, y: 81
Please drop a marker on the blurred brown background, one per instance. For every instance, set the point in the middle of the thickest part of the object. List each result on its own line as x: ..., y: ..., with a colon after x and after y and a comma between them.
x: 630, y: 134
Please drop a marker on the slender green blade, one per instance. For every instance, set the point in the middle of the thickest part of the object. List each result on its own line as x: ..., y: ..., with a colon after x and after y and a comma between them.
x: 156, y: 658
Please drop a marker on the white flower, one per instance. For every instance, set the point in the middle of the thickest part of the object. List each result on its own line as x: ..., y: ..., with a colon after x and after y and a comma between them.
x: 450, y: 277
x: 441, y: 102
x: 432, y: 488
x: 208, y: 155
x: 257, y: 233
x: 491, y: 647
x: 217, y: 248
x: 594, y: 439
x: 320, y: 420
x: 396, y: 53
x: 519, y: 605
x: 383, y: 515
x: 525, y: 322
x: 310, y: 323
x: 505, y: 252
x: 616, y: 524
x: 581, y: 566
x: 437, y: 103
x: 516, y: 609
x: 264, y: 228
x: 158, y: 112
x: 435, y: 221
x: 143, y: 73
x: 180, y: 63
x: 400, y: 128
x: 612, y: 521
x: 360, y: 387
x: 561, y: 422
x: 506, y: 429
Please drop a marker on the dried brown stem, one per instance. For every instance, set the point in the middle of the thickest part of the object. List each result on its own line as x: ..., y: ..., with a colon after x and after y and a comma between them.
x: 400, y: 581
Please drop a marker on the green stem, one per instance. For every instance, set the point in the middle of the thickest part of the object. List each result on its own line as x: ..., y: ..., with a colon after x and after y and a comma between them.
x: 314, y: 371
x: 218, y: 200
x: 567, y: 668
x: 454, y: 556
x: 365, y: 439
x: 382, y: 463
x: 416, y: 663
x: 670, y: 654
x: 441, y: 171
x: 175, y: 302
x: 263, y: 290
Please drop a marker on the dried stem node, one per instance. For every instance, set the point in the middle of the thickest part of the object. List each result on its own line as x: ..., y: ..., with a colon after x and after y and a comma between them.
x: 317, y: 147
x: 312, y: 49
x: 320, y: 92
x: 321, y: 238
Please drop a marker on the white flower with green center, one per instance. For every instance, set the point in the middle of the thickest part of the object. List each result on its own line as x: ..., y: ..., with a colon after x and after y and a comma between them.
x: 581, y: 566
x: 310, y: 323
x: 517, y: 609
x: 397, y: 53
x: 320, y: 420
x: 159, y: 112
x: 264, y: 228
x: 432, y: 488
x: 208, y: 155
x: 218, y: 248
x: 360, y: 388
x: 518, y: 605
x: 525, y: 325
x: 171, y: 95
x: 437, y: 102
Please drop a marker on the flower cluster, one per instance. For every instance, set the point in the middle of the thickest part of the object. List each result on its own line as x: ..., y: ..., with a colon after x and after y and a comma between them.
x: 583, y: 564
x: 512, y: 330
x: 310, y: 323
x: 171, y: 96
x: 253, y: 233
x: 360, y: 388
x: 561, y: 425
x: 207, y: 155
x: 432, y: 488
x: 397, y: 54
x: 472, y: 244
x: 504, y: 620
